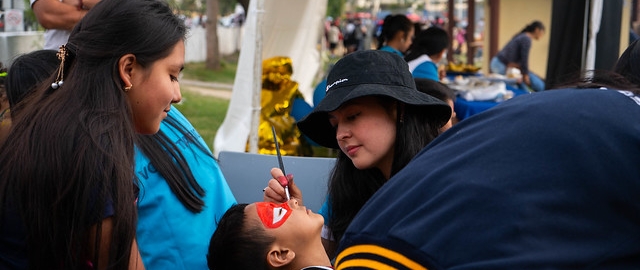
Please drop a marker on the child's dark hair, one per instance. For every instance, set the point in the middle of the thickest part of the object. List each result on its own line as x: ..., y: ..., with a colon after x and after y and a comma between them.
x: 435, y: 89
x: 27, y: 72
x: 430, y: 41
x: 238, y: 244
x: 393, y: 24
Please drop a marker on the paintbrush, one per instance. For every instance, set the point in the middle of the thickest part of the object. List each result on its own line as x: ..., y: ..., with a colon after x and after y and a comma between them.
x: 275, y: 139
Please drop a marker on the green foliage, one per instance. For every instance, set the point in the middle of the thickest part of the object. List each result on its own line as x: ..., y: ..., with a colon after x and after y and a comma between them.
x: 204, y: 112
x: 335, y: 8
x: 198, y: 71
x: 227, y: 6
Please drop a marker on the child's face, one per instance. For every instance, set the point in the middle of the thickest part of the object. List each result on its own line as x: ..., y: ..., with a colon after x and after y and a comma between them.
x: 366, y: 132
x: 287, y: 222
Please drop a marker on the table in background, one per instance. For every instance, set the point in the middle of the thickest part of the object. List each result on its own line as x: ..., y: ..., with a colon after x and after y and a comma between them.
x: 464, y: 108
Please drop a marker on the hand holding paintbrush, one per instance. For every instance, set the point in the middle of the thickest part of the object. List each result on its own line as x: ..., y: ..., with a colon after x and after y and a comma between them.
x: 281, y: 187
x: 281, y: 164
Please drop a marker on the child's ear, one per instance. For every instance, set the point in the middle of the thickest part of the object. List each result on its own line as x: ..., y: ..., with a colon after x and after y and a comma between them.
x: 279, y: 257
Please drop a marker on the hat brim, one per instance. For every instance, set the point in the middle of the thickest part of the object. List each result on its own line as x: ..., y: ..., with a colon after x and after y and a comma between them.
x: 316, y: 124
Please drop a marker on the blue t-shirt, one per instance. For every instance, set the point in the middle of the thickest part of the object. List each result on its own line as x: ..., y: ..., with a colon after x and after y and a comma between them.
x: 423, y: 67
x: 169, y: 235
x: 512, y: 189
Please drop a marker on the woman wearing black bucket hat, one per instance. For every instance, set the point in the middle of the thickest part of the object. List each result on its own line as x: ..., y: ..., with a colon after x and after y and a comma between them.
x: 373, y: 113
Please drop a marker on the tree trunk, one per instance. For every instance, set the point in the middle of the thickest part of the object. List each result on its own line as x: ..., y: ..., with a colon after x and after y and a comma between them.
x: 213, y: 52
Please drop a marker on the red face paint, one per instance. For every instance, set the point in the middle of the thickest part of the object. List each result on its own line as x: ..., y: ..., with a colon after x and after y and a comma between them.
x: 273, y: 215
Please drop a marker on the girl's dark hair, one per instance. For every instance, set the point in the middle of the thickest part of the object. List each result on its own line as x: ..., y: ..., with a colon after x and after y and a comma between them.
x: 530, y: 28
x: 238, y: 244
x: 27, y: 72
x: 30, y: 70
x: 70, y: 162
x: 350, y: 188
x: 429, y: 41
x: 393, y: 24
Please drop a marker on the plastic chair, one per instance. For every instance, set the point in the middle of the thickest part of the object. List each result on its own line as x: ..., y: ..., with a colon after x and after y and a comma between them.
x: 247, y: 174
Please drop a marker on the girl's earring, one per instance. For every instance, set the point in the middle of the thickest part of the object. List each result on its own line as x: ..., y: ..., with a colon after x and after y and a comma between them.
x: 127, y: 88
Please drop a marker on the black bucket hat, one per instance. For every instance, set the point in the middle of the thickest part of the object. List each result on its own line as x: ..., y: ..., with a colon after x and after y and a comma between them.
x: 367, y: 73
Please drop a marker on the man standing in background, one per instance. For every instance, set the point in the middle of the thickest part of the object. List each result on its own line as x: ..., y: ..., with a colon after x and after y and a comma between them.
x: 59, y: 18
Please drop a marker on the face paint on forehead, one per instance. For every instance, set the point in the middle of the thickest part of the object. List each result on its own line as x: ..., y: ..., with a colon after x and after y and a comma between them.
x: 273, y: 215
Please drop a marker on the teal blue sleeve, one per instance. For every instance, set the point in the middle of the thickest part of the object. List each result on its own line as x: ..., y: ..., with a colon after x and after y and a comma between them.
x: 427, y: 70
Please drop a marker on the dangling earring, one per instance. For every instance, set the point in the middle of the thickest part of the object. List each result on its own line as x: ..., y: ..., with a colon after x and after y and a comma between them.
x: 127, y: 88
x: 62, y: 54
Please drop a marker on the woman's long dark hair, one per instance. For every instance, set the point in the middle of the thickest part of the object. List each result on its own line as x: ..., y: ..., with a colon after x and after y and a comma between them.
x: 169, y: 161
x: 29, y: 70
x: 393, y: 24
x: 69, y: 163
x: 350, y: 188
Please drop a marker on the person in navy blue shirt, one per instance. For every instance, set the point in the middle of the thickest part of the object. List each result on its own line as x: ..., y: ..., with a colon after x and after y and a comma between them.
x: 508, y: 189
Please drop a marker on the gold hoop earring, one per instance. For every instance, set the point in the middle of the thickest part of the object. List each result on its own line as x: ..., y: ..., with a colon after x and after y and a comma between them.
x: 127, y: 88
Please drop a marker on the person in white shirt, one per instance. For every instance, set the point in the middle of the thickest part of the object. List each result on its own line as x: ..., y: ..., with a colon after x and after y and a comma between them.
x: 58, y: 18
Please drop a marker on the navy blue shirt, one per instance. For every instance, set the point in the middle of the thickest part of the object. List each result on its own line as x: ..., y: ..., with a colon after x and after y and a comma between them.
x: 546, y: 180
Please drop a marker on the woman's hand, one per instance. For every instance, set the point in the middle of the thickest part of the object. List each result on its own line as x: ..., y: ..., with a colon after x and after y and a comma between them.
x: 274, y: 192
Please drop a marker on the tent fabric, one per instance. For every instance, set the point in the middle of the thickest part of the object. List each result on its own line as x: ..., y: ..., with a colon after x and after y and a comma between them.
x: 608, y: 48
x: 594, y: 23
x: 577, y: 43
x: 289, y: 28
x: 566, y: 41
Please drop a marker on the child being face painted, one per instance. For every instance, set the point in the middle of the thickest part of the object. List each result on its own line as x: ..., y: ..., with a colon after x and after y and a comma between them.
x: 266, y: 235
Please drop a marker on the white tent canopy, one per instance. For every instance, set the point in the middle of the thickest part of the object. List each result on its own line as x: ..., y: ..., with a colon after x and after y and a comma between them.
x: 289, y: 28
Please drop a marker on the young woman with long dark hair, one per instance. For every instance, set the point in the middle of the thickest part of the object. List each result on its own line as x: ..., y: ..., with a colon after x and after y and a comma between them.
x: 373, y: 113
x: 67, y: 189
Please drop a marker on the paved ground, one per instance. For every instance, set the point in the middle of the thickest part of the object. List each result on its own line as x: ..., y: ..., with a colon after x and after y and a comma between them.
x: 218, y: 90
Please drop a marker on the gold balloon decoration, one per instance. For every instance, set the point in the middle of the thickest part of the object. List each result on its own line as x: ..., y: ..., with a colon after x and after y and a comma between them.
x: 278, y: 94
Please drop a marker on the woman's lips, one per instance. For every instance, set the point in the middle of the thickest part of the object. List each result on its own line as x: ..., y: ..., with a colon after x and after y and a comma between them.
x: 351, y: 150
